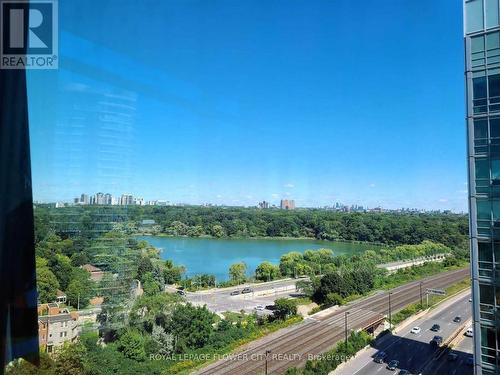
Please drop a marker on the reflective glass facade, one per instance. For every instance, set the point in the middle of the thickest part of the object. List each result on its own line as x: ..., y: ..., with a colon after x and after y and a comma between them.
x: 482, y: 73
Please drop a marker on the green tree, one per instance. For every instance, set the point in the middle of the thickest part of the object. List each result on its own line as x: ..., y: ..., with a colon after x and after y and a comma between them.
x: 150, y: 285
x: 81, y: 288
x: 237, y: 272
x: 70, y: 359
x: 218, y: 231
x: 333, y: 299
x: 267, y: 271
x: 148, y: 311
x: 284, y: 308
x: 61, y: 266
x: 46, y: 281
x: 172, y: 274
x: 145, y: 265
x: 23, y: 367
x: 131, y: 344
x: 191, y: 325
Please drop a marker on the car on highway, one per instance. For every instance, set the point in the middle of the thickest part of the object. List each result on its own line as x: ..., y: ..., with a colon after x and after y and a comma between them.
x: 469, y: 332
x: 437, y: 340
x: 415, y: 330
x: 404, y: 372
x: 452, y: 357
x: 260, y: 308
x: 234, y: 293
x: 181, y: 292
x: 380, y: 357
x: 470, y: 299
x: 436, y: 328
x: 246, y: 291
x: 393, y: 365
x: 457, y: 319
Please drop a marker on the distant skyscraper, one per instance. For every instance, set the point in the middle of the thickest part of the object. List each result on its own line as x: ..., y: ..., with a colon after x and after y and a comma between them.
x: 263, y: 204
x: 482, y: 74
x: 287, y: 204
x: 127, y: 200
x: 99, y: 198
x: 108, y: 199
x: 84, y: 199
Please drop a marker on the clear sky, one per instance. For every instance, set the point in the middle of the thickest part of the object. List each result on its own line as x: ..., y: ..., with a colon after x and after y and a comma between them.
x: 233, y: 102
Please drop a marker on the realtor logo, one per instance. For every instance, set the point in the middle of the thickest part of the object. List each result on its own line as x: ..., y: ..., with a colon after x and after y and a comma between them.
x: 28, y: 34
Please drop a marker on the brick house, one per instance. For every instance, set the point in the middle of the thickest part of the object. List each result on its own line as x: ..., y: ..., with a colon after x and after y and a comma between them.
x: 96, y: 273
x: 56, y: 326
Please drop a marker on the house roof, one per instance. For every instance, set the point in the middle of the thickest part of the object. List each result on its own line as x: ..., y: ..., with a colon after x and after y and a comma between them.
x: 60, y: 293
x: 91, y: 268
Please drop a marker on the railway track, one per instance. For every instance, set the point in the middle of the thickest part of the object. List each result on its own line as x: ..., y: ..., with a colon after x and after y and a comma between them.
x: 315, y: 336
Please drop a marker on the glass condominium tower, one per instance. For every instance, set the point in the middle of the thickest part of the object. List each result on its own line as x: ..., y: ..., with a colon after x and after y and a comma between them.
x: 482, y: 77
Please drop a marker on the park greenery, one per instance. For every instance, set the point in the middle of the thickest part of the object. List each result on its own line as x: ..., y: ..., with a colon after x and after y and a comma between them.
x: 330, y: 360
x: 133, y: 328
x: 385, y: 228
x: 344, y: 278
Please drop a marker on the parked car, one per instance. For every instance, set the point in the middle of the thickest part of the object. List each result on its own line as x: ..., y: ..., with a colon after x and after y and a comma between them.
x: 469, y: 332
x: 393, y: 365
x: 246, y: 290
x: 452, y: 357
x: 415, y: 330
x: 181, y: 292
x: 437, y: 340
x: 457, y: 319
x: 234, y: 293
x: 260, y: 308
x: 380, y: 357
x: 436, y: 328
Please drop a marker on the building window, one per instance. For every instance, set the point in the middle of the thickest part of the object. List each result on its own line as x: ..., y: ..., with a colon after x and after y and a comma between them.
x: 486, y: 294
x: 485, y: 252
x: 491, y: 13
x: 495, y: 127
x: 482, y: 169
x: 481, y: 129
x: 474, y: 16
x: 479, y: 94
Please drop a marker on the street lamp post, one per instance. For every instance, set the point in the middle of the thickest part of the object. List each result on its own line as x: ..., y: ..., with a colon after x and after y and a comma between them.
x: 346, y: 313
x: 267, y: 356
x: 390, y: 313
x: 421, y: 301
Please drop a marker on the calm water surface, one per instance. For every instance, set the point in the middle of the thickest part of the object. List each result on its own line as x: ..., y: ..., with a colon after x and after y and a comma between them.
x: 214, y: 256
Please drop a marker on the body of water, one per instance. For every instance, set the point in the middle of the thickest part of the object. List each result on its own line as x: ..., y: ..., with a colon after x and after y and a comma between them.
x: 214, y: 256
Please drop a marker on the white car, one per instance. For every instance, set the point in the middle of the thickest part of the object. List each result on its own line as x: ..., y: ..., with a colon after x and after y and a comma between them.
x: 260, y: 308
x: 415, y: 330
x: 469, y: 332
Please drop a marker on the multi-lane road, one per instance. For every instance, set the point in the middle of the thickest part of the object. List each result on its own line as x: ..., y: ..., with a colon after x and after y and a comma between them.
x: 295, y: 345
x: 459, y: 366
x: 413, y: 350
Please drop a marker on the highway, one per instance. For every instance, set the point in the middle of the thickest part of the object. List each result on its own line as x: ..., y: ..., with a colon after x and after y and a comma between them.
x: 463, y: 349
x: 294, y: 345
x: 413, y: 351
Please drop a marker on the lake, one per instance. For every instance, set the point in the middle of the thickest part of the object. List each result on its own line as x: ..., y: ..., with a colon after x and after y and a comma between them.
x: 214, y: 256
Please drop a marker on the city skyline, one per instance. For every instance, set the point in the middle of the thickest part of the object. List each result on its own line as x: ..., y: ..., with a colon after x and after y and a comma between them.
x: 126, y: 199
x: 301, y: 116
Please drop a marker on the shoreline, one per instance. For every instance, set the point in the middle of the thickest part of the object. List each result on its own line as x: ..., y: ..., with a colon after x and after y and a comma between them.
x: 262, y: 238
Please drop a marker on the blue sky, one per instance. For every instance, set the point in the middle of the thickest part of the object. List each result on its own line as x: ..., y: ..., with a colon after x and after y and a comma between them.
x: 233, y: 102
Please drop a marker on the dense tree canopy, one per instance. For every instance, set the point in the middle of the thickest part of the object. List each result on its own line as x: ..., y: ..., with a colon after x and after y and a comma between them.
x: 387, y: 228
